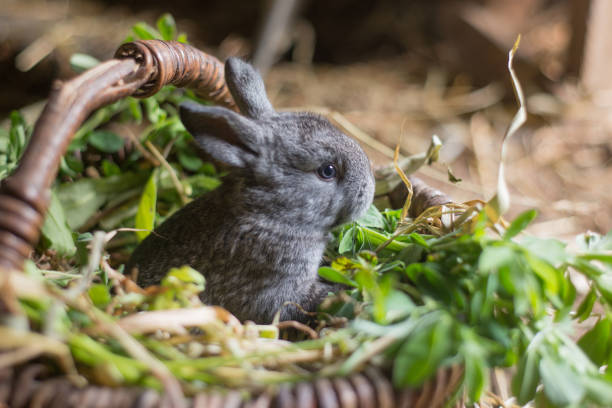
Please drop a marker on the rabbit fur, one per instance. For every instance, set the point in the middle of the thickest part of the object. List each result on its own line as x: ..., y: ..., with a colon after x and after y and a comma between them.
x: 259, y: 238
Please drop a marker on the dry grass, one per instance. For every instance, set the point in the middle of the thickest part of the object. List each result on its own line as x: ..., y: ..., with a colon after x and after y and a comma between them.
x: 559, y: 162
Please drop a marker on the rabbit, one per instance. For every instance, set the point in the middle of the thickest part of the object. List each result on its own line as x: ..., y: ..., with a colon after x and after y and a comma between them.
x: 259, y: 238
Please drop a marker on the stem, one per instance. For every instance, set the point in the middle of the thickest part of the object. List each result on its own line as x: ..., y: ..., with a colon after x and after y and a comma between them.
x: 175, y: 181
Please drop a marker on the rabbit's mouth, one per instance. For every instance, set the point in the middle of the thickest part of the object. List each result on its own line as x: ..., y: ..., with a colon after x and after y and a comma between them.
x: 356, y: 209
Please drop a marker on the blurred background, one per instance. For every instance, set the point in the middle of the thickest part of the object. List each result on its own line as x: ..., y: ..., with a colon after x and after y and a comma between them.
x: 392, y: 68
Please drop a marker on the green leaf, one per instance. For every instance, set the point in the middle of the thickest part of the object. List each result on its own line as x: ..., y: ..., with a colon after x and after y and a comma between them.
x: 155, y: 114
x: 419, y: 240
x: 4, y: 141
x: 185, y: 278
x: 55, y: 229
x: 145, y: 32
x: 374, y: 238
x: 208, y: 169
x: 567, y: 293
x: 527, y: 377
x: 145, y: 217
x: 603, y: 258
x: 135, y: 109
x: 604, y: 284
x: 595, y: 342
x: 562, y: 385
x: 372, y: 218
x: 586, y: 306
x: 476, y: 370
x: 366, y: 279
x: 421, y: 354
x: 99, y: 295
x: 380, y: 294
x: 398, y: 305
x: 347, y: 242
x: 493, y: 258
x: 114, y: 218
x: 550, y: 250
x: 411, y: 254
x: 333, y: 275
x: 88, y: 351
x: 81, y: 199
x: 82, y: 62
x: 550, y: 276
x: 599, y: 389
x: 190, y: 162
x: 166, y: 27
x: 110, y: 169
x: 75, y: 165
x: 520, y: 223
x: 105, y: 141
x: 18, y: 136
x: 201, y: 183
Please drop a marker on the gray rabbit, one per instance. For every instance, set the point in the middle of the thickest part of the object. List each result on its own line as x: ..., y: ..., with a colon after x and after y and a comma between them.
x: 259, y: 238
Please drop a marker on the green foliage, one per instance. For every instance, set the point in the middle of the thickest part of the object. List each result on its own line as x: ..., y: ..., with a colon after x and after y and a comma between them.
x: 99, y: 295
x: 145, y: 216
x: 117, y: 198
x: 12, y: 143
x: 179, y: 285
x: 484, y: 302
x: 104, y: 141
x: 425, y: 348
x: 56, y: 234
x: 166, y: 30
x: 82, y: 199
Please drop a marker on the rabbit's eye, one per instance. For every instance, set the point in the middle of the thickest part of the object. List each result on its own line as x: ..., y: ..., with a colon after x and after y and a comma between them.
x: 327, y: 171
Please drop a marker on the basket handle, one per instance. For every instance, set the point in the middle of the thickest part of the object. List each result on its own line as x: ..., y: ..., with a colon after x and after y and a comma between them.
x: 140, y: 68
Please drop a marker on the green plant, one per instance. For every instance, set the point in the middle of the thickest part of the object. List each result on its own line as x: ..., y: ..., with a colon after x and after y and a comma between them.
x: 483, y: 301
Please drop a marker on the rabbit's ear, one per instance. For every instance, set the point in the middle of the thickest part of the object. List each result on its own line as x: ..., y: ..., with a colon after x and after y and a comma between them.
x: 222, y: 133
x: 247, y: 88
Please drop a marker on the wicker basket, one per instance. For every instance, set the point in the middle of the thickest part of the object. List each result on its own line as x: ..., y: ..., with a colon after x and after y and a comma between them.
x: 141, y: 69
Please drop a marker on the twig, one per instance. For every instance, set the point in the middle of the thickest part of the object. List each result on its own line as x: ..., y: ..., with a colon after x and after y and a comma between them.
x: 99, y: 215
x: 176, y: 320
x: 20, y: 355
x: 95, y: 254
x: 138, y: 145
x: 168, y: 147
x: 116, y: 277
x: 298, y: 326
x: 175, y: 181
x: 106, y: 324
x: 172, y: 387
x: 41, y: 47
x: 407, y: 183
x: 374, y: 348
x: 31, y: 344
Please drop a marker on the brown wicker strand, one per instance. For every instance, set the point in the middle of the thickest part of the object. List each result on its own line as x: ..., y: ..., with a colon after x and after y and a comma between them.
x: 25, y: 194
x: 181, y: 65
x: 29, y: 386
x: 142, y: 68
